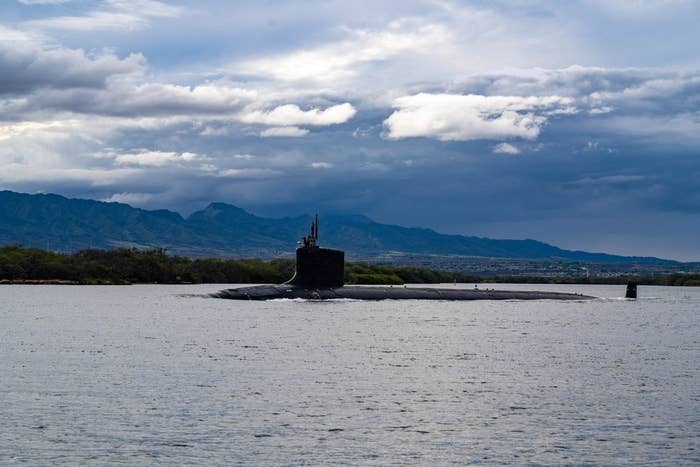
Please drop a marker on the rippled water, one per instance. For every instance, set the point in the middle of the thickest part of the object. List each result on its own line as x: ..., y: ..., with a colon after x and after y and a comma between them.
x: 144, y: 375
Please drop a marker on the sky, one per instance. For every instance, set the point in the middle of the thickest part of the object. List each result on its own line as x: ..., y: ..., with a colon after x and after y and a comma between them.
x: 576, y: 123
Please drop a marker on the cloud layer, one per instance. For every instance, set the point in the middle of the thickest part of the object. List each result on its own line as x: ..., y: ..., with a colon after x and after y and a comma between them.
x: 27, y: 66
x: 548, y: 117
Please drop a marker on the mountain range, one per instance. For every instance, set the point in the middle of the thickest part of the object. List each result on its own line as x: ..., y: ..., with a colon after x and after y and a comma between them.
x: 222, y: 230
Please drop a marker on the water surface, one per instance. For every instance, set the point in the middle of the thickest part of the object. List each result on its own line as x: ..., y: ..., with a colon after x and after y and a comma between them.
x: 147, y: 375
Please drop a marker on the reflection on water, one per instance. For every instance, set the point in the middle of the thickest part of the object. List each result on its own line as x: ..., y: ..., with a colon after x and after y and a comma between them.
x: 147, y: 375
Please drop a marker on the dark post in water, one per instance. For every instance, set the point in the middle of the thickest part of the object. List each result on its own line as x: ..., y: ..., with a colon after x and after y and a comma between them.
x: 631, y: 290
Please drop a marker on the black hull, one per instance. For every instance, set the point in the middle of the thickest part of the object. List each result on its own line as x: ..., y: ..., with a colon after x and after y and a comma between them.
x: 273, y: 292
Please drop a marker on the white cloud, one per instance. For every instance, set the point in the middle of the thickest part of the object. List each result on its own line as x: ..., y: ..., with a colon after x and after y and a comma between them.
x: 43, y: 2
x: 95, y: 21
x: 341, y: 59
x: 321, y: 165
x: 15, y: 35
x: 130, y: 198
x: 505, y: 148
x: 99, y: 91
x: 155, y: 158
x: 151, y: 8
x: 362, y: 132
x: 214, y: 131
x: 33, y: 151
x: 208, y: 168
x: 291, y: 114
x: 450, y: 117
x: 29, y: 129
x: 248, y: 173
x: 21, y: 173
x: 115, y: 15
x: 284, y: 131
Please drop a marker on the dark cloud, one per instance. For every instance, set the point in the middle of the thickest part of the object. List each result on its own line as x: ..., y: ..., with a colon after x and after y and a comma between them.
x: 26, y: 67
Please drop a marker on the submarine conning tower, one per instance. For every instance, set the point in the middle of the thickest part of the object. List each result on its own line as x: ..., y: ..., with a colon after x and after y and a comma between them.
x: 317, y: 267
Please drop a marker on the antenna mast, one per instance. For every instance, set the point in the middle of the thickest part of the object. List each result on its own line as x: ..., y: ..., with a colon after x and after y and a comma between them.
x: 316, y: 229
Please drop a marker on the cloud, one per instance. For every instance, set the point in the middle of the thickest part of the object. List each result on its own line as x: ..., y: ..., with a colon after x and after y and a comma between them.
x: 614, y: 101
x: 668, y: 131
x: 421, y: 42
x: 150, y: 8
x: 154, y: 99
x: 43, y: 2
x: 593, y: 87
x: 505, y: 148
x: 343, y: 59
x: 93, y: 87
x: 611, y: 179
x: 248, y: 173
x: 155, y: 158
x: 284, y: 131
x: 95, y: 21
x: 291, y: 114
x: 114, y: 15
x: 20, y: 173
x: 134, y: 199
x: 26, y: 66
x: 321, y: 165
x: 641, y: 8
x: 29, y: 129
x: 452, y: 117
x: 214, y: 131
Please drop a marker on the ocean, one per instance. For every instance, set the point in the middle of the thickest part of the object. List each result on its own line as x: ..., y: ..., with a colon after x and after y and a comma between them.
x: 160, y: 375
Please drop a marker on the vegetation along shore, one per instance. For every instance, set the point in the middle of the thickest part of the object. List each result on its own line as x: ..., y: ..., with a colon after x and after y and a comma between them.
x: 19, y: 265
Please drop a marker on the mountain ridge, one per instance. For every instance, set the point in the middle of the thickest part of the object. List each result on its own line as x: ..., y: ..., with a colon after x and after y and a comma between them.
x: 226, y: 230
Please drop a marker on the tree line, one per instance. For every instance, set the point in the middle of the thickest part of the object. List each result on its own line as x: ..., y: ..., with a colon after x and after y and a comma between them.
x: 133, y: 266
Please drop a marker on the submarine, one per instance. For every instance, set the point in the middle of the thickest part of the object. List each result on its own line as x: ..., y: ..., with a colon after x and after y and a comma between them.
x: 319, y: 275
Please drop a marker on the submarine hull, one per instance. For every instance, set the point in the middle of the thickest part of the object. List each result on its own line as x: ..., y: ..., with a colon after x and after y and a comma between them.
x: 273, y: 292
x: 319, y: 275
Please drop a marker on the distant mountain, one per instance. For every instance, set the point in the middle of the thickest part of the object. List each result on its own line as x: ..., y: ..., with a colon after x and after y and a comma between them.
x: 58, y: 223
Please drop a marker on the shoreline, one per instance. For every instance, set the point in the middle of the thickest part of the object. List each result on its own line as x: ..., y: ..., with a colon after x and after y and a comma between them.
x: 38, y: 282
